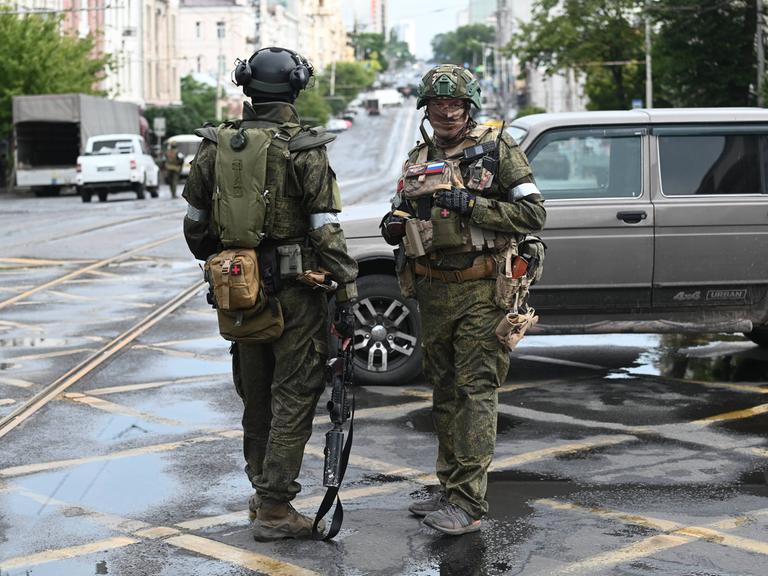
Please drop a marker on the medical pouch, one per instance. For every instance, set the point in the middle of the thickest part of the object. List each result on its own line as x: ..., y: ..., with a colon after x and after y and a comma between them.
x: 234, y: 276
x: 446, y: 229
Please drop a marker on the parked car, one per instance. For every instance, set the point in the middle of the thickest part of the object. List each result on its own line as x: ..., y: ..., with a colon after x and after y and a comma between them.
x: 116, y: 163
x: 336, y: 125
x: 187, y: 144
x: 657, y: 221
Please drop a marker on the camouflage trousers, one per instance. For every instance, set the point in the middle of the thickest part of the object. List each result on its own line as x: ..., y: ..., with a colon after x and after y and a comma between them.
x: 280, y: 384
x: 465, y: 364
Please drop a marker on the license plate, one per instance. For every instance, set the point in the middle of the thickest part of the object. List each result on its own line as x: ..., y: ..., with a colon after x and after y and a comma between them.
x: 105, y: 169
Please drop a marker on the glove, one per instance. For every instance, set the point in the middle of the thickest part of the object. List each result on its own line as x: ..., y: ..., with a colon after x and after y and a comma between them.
x: 457, y: 200
x: 344, y: 319
x: 392, y: 228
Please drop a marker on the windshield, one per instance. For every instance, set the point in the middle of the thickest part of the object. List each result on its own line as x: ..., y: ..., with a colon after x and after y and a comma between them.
x: 517, y: 133
x: 112, y: 146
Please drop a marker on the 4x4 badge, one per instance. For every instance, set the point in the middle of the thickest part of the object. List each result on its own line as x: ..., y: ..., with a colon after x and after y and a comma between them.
x: 687, y: 296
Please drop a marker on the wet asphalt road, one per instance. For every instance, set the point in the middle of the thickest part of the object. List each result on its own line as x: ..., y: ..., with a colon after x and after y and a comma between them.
x: 616, y: 454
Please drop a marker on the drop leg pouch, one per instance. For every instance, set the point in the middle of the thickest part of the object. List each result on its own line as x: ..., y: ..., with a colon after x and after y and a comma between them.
x: 258, y: 325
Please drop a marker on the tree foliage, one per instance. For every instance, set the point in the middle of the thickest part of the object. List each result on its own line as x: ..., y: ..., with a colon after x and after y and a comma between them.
x: 35, y: 58
x: 704, y: 53
x: 372, y: 47
x: 312, y: 107
x: 397, y: 52
x: 463, y: 46
x: 198, y: 106
x: 601, y: 38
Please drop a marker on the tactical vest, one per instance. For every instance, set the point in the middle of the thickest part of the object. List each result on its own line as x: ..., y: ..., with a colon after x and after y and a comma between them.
x: 442, y: 231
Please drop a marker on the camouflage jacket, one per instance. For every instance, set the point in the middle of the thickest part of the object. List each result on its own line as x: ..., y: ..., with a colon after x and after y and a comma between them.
x: 494, y: 208
x: 318, y: 205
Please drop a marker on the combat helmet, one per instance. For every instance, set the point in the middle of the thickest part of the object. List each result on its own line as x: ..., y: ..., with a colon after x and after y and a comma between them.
x: 273, y: 73
x: 448, y: 81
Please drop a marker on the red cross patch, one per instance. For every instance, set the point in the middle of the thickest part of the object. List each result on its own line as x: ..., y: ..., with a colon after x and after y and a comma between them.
x: 235, y: 270
x: 444, y: 213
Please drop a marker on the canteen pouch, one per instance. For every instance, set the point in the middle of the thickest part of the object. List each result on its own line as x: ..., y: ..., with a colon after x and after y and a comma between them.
x: 446, y: 229
x: 289, y: 260
x: 513, y: 327
x: 258, y: 325
x: 234, y: 274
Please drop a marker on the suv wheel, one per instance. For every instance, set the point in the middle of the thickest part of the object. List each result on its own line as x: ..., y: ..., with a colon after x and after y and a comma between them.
x: 388, y: 334
x: 759, y: 336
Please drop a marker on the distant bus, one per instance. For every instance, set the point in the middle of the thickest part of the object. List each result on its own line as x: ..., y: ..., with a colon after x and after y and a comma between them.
x: 187, y: 144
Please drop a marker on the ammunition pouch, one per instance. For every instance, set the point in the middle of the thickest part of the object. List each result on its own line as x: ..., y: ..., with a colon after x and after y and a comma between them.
x: 290, y: 261
x: 418, y: 237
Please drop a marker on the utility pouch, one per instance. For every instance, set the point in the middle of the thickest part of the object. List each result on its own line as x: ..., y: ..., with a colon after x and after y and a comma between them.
x: 512, y: 280
x: 446, y: 229
x: 406, y: 277
x: 418, y: 237
x: 257, y: 325
x: 234, y: 274
x: 533, y: 249
x: 513, y: 327
x: 289, y: 260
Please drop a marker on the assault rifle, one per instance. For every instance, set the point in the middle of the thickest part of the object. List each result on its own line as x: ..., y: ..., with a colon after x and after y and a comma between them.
x: 341, y: 407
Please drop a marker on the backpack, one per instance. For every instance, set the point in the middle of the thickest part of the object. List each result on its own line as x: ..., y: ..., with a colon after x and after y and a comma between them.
x: 241, y: 199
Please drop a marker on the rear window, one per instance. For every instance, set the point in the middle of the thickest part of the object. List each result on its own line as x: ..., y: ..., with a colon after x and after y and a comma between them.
x: 710, y: 164
x: 112, y: 147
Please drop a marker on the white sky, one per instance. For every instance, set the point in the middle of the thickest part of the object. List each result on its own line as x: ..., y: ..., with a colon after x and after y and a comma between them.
x: 430, y: 17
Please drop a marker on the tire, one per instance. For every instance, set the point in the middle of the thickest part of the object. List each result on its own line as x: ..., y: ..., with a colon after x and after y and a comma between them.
x: 85, y: 196
x: 153, y: 191
x: 46, y: 191
x: 759, y: 336
x: 389, y: 330
x: 102, y: 196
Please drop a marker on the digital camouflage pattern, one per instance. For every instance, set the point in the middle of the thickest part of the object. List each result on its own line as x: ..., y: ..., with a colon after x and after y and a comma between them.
x: 280, y: 382
x: 463, y: 359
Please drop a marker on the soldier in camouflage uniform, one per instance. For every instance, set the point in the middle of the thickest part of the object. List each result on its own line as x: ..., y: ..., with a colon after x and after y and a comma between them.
x: 280, y: 382
x: 487, y: 209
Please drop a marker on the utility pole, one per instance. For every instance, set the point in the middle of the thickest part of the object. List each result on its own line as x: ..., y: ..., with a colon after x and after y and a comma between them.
x: 333, y: 78
x: 648, y: 69
x: 760, y: 54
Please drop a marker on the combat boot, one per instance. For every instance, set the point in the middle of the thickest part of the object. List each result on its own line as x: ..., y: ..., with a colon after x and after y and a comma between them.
x: 254, y: 502
x: 452, y: 520
x: 278, y: 520
x: 433, y: 504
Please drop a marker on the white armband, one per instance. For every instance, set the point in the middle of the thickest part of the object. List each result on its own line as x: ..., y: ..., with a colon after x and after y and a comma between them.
x: 319, y: 220
x: 521, y: 191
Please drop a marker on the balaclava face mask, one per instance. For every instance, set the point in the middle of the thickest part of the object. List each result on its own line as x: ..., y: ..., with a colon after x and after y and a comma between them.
x: 449, y: 121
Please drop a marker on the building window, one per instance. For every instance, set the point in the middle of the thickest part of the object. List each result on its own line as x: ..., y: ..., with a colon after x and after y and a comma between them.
x: 220, y: 29
x: 198, y: 29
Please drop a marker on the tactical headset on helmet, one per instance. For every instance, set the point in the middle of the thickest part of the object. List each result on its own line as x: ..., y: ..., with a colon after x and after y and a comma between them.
x: 273, y: 72
x: 448, y: 81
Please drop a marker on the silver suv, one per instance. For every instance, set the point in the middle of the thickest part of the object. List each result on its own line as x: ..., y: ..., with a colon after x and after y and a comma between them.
x: 657, y: 221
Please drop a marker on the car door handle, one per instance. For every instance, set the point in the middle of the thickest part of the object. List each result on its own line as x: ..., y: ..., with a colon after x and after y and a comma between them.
x: 632, y: 217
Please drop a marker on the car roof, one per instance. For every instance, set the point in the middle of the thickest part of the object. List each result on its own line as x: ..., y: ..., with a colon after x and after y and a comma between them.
x: 115, y: 137
x: 539, y: 122
x: 184, y: 138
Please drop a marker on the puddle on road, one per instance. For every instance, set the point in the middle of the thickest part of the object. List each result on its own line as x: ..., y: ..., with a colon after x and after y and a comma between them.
x: 703, y: 357
x: 7, y: 366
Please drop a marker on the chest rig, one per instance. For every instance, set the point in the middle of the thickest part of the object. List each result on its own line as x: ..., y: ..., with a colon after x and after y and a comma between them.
x: 437, y: 231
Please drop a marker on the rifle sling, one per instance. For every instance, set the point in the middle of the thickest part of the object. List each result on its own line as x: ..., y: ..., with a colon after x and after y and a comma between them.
x: 333, y: 491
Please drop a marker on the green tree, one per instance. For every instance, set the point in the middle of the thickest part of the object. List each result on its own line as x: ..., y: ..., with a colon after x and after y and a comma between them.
x: 198, y: 106
x: 35, y: 58
x: 601, y: 38
x: 704, y: 53
x: 463, y: 46
x: 372, y: 47
x: 312, y: 107
x: 397, y: 52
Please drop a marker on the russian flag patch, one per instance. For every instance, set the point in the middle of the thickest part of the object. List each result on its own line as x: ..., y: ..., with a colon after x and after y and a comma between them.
x: 435, y: 168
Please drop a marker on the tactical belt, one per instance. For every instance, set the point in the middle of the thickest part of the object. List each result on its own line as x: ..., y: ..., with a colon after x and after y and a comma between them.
x: 486, y: 268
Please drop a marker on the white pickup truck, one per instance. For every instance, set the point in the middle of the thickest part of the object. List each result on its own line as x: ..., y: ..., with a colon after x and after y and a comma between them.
x: 114, y: 163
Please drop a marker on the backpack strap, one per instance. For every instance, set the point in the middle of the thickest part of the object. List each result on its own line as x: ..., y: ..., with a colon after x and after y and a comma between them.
x: 310, y: 138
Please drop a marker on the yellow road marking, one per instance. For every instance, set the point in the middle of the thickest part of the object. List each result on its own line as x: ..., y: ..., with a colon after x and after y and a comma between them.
x: 560, y: 362
x: 107, y: 406
x: 735, y: 415
x: 42, y: 262
x: 65, y: 553
x: 749, y: 388
x: 57, y: 354
x: 544, y: 453
x: 75, y: 273
x: 57, y: 464
x: 180, y: 353
x: 7, y: 401
x: 156, y: 532
x: 368, y: 463
x: 16, y: 382
x: 148, y: 385
x: 32, y: 327
x: 238, y: 556
x: 677, y: 535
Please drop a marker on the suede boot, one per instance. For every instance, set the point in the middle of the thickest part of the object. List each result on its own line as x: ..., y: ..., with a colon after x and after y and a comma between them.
x: 278, y: 520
